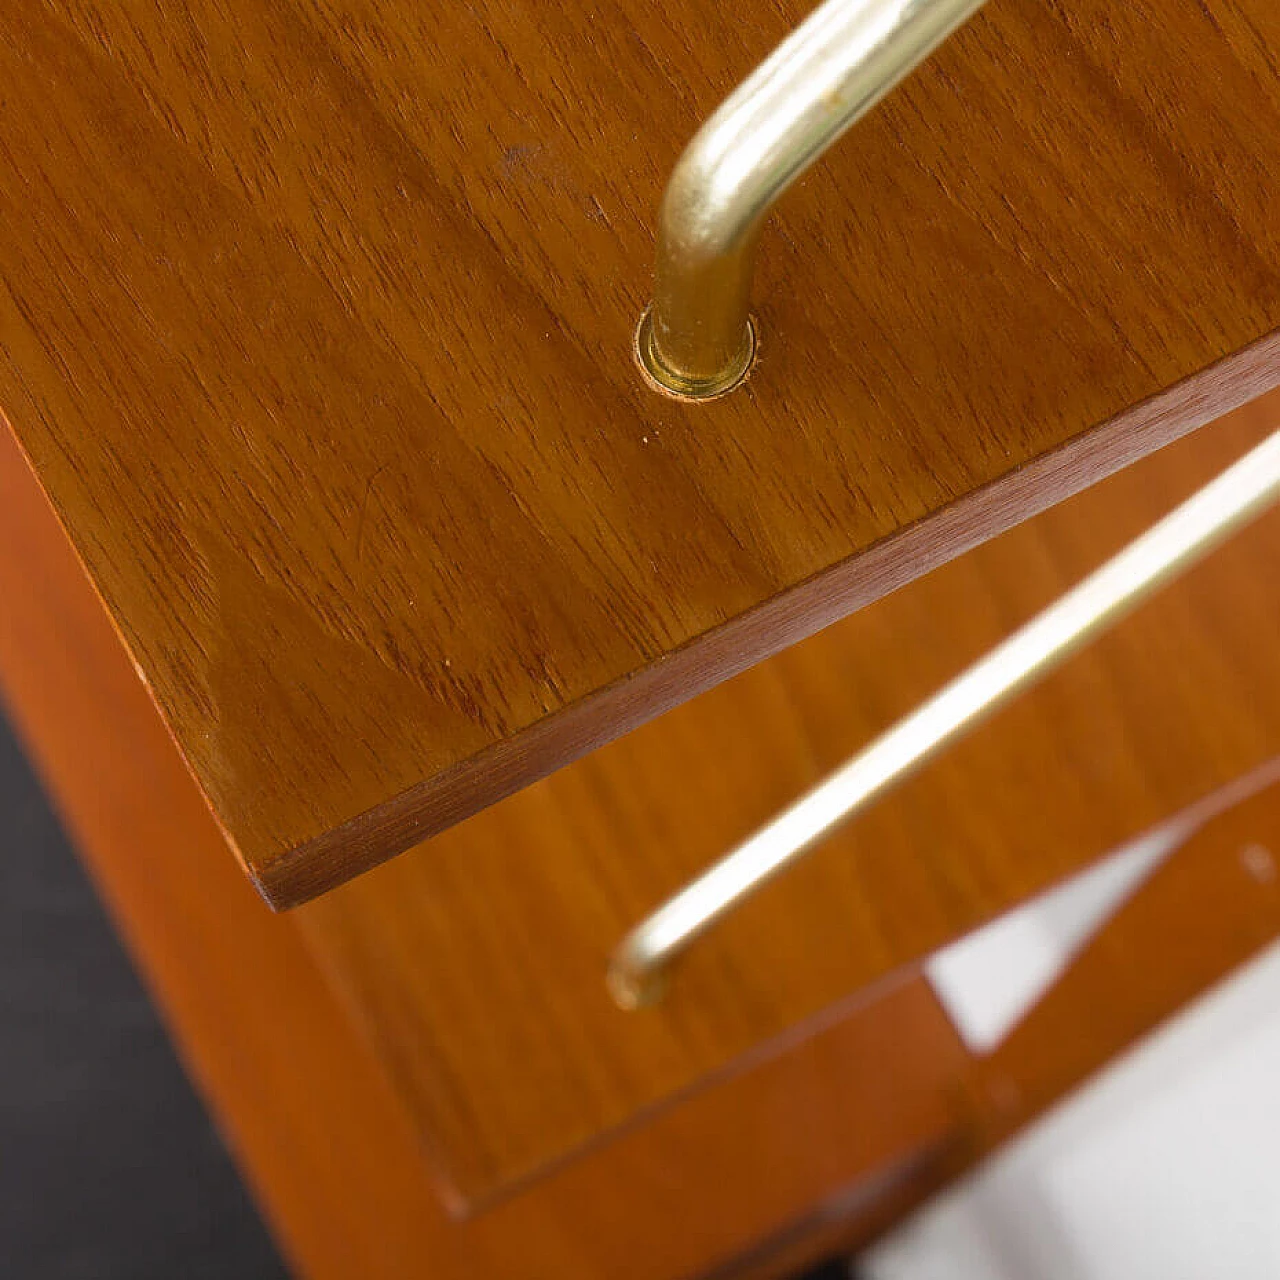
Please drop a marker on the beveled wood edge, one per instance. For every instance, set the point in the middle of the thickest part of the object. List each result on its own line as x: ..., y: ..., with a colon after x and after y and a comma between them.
x: 437, y: 803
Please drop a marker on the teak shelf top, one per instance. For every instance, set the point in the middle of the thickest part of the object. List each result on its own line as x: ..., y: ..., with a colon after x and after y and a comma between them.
x: 316, y: 325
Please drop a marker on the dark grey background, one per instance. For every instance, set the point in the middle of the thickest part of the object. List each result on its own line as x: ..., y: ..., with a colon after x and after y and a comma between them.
x: 109, y: 1167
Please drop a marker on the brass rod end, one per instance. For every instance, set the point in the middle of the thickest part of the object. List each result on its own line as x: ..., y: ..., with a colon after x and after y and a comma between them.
x: 632, y: 986
x: 670, y: 381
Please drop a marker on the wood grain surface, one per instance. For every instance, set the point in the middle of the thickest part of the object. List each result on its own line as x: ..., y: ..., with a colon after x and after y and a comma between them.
x: 748, y: 1178
x: 810, y: 1152
x: 477, y: 960
x: 1209, y: 908
x: 315, y: 322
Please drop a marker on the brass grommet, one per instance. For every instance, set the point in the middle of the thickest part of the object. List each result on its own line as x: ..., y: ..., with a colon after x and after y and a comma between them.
x: 677, y: 385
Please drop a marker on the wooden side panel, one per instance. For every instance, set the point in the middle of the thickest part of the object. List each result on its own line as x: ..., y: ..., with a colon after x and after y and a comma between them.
x: 1209, y: 908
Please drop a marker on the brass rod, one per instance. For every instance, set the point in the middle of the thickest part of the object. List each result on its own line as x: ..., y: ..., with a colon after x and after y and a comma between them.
x: 696, y: 339
x: 1184, y: 536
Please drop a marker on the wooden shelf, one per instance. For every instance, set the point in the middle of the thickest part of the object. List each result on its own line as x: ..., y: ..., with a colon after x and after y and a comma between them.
x: 752, y: 1177
x: 476, y: 961
x: 315, y: 325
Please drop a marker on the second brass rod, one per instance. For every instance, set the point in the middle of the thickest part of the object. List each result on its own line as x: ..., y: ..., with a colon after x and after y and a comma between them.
x: 1189, y: 532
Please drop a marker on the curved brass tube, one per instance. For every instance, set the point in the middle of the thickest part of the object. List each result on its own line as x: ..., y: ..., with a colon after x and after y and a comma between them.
x: 1184, y: 536
x: 696, y: 339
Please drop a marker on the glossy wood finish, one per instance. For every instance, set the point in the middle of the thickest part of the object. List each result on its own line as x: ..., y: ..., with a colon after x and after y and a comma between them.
x: 1210, y: 907
x: 755, y: 1175
x: 315, y: 321
x: 477, y: 961
x: 1205, y: 911
x: 808, y: 1153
